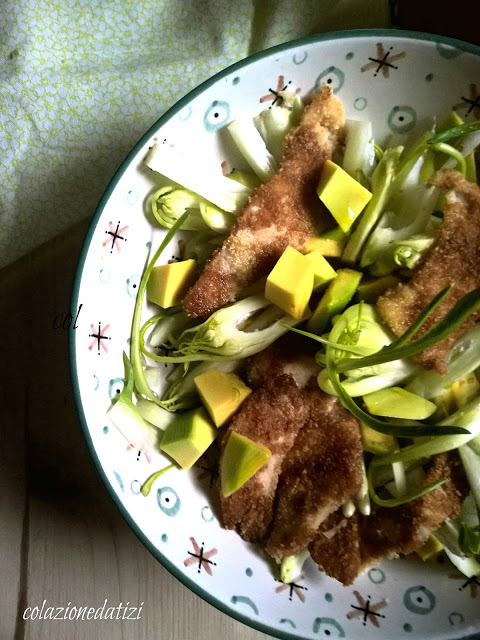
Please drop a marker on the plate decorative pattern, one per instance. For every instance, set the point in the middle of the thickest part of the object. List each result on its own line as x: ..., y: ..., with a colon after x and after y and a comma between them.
x: 396, y: 80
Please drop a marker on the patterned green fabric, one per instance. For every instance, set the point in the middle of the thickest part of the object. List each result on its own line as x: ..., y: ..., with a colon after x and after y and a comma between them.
x: 82, y: 80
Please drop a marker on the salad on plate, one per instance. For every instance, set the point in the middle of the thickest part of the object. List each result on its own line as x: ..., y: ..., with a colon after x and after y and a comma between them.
x: 322, y: 311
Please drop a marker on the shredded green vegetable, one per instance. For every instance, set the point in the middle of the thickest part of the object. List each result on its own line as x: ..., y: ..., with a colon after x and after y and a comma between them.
x: 401, y: 430
x: 449, y: 323
x: 420, y: 320
x: 395, y: 502
x: 148, y: 484
x: 141, y: 383
x: 453, y: 153
x: 455, y: 132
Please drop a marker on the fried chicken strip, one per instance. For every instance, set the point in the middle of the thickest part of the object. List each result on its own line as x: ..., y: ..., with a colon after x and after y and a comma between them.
x: 320, y: 472
x: 454, y: 258
x: 283, y: 212
x: 290, y: 355
x: 271, y: 416
x: 354, y: 544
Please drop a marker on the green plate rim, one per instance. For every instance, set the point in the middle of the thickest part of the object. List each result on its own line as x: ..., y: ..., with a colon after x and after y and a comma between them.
x: 170, y: 113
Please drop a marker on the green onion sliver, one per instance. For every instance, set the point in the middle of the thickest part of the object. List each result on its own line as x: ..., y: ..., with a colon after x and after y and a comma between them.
x: 442, y: 147
x: 420, y: 319
x: 395, y: 502
x: 447, y: 325
x: 412, y: 430
x: 140, y: 381
x: 147, y: 485
x: 455, y: 132
x: 359, y: 351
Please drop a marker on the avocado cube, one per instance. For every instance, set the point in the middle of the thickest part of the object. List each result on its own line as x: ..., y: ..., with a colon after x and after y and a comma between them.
x: 396, y: 402
x: 330, y: 243
x: 290, y: 283
x: 343, y: 196
x: 336, y: 297
x: 188, y: 437
x: 376, y: 442
x: 168, y: 283
x: 431, y: 548
x: 240, y: 460
x: 221, y: 393
x: 370, y: 290
x: 323, y: 272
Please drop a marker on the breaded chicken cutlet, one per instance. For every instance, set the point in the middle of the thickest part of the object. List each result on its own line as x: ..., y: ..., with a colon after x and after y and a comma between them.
x: 454, y: 258
x: 316, y: 459
x: 346, y: 547
x: 270, y: 416
x: 321, y: 471
x: 285, y: 211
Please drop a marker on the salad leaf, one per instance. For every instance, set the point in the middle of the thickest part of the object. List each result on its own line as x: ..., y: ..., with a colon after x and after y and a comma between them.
x: 195, y: 175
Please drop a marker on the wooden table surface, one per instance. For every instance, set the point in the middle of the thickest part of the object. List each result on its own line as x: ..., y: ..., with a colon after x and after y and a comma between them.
x: 61, y: 537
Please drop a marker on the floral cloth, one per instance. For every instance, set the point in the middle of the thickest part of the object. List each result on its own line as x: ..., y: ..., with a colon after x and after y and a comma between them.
x: 82, y: 80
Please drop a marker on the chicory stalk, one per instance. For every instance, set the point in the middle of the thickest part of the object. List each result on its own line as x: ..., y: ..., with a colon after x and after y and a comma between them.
x: 451, y: 321
x: 471, y: 465
x: 214, y: 218
x: 410, y: 217
x: 182, y: 394
x: 359, y: 150
x: 382, y: 179
x: 141, y: 383
x: 251, y: 145
x: 274, y: 123
x: 171, y: 201
x: 405, y: 429
x: 153, y: 413
x: 448, y: 534
x: 356, y: 387
x: 359, y: 328
x: 221, y: 338
x: 467, y: 417
x: 168, y: 323
x: 197, y: 176
x: 200, y: 246
x: 291, y: 566
x: 463, y: 358
x: 128, y: 420
x: 408, y: 253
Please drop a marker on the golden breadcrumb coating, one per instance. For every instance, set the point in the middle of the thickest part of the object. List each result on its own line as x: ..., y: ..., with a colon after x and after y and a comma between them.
x: 454, y: 258
x: 283, y: 212
x: 321, y: 471
x: 360, y: 542
x: 271, y: 416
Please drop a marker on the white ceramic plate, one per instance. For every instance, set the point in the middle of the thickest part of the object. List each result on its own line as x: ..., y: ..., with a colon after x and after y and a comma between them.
x: 398, y: 80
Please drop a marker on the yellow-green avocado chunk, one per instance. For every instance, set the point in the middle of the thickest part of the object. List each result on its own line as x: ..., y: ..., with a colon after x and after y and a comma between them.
x: 343, y: 196
x: 396, y: 402
x: 323, y: 272
x: 290, y: 283
x: 188, y: 437
x: 221, y: 394
x: 240, y: 460
x: 330, y: 243
x: 168, y: 283
x: 376, y: 442
x: 336, y: 297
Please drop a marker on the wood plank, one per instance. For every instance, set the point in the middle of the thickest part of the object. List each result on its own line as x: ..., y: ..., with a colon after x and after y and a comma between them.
x: 77, y: 547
